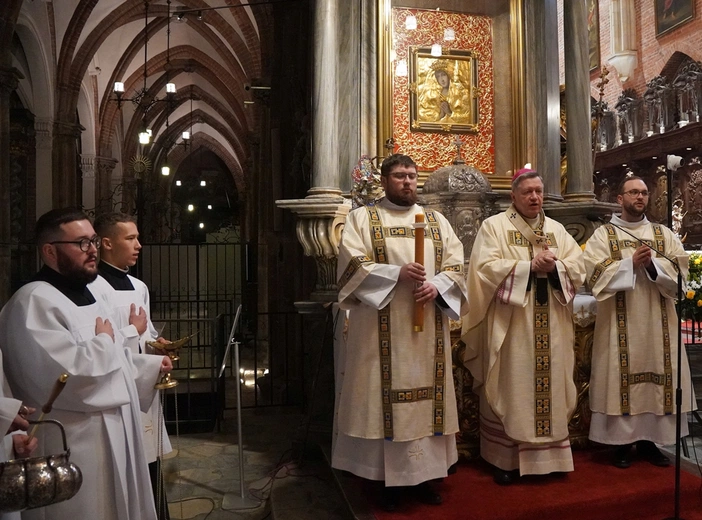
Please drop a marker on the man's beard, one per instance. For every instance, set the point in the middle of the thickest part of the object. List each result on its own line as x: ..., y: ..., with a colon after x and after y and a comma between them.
x: 401, y: 198
x: 632, y: 210
x: 80, y: 274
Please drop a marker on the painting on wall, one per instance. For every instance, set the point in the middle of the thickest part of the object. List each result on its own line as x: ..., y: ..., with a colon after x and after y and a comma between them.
x: 593, y: 33
x: 469, y: 58
x: 443, y: 91
x: 671, y: 14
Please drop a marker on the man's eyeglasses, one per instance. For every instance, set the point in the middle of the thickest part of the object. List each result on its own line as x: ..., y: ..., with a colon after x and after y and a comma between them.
x: 401, y: 176
x: 636, y: 193
x: 83, y: 243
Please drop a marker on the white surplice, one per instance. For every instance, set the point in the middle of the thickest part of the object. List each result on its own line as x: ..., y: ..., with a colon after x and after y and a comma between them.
x: 120, y: 302
x: 396, y: 408
x: 8, y: 411
x: 43, y: 334
x: 636, y: 334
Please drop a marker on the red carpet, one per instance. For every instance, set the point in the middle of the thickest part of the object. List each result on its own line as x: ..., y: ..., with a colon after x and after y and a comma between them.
x: 596, y: 490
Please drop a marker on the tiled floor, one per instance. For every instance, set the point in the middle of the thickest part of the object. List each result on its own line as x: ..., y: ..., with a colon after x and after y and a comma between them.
x: 202, y: 480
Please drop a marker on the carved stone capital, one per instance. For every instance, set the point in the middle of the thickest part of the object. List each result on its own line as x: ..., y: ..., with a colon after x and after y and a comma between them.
x: 320, y: 223
x: 9, y: 79
x: 43, y: 128
x: 87, y: 165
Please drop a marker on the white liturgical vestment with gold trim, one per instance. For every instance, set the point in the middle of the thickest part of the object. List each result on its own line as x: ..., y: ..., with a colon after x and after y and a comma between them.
x: 634, y: 353
x: 521, y: 354
x: 396, y: 410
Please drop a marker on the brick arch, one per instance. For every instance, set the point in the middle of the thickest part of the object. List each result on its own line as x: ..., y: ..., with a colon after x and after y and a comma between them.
x: 249, y: 31
x: 68, y: 81
x: 263, y: 14
x: 202, y: 140
x: 127, y: 12
x: 204, y: 118
x: 135, y: 124
x: 672, y: 66
x: 238, y: 45
x: 161, y: 146
x: 183, y: 97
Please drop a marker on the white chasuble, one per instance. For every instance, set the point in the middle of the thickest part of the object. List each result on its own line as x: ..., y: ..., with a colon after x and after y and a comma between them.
x: 634, y: 356
x: 43, y: 334
x: 119, y: 300
x: 397, y: 383
x: 520, y: 349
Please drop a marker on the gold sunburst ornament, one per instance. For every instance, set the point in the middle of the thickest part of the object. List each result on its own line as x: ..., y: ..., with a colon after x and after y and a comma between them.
x: 140, y: 165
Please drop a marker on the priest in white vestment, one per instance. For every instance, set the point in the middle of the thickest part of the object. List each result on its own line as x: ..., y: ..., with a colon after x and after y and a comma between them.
x: 634, y: 353
x: 396, y: 412
x: 128, y: 299
x: 523, y: 273
x: 55, y: 325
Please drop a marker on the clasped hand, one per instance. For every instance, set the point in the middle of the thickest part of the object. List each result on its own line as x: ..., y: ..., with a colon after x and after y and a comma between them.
x: 415, y: 273
x: 642, y: 256
x: 544, y: 262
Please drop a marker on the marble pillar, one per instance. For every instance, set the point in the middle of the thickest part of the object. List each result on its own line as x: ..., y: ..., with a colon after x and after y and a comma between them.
x: 319, y: 225
x: 577, y: 64
x: 9, y: 80
x: 325, y: 138
x: 44, y: 135
x: 87, y: 168
x: 369, y: 76
x: 65, y: 167
x: 542, y: 93
x: 348, y: 85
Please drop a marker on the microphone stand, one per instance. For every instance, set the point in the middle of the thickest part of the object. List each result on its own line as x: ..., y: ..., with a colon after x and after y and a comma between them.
x: 678, y: 390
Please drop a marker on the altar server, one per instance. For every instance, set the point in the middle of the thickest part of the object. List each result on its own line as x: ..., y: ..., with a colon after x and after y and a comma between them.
x: 55, y: 324
x: 128, y: 299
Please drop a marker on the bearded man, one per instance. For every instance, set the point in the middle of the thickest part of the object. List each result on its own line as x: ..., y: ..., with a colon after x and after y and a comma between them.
x: 396, y: 412
x: 56, y: 324
x: 634, y: 352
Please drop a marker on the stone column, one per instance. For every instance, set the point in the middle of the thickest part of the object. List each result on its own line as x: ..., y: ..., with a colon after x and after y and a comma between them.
x: 105, y: 184
x: 44, y: 136
x: 65, y: 167
x: 577, y: 65
x: 87, y: 168
x: 542, y: 92
x: 319, y: 226
x: 325, y: 143
x: 9, y: 80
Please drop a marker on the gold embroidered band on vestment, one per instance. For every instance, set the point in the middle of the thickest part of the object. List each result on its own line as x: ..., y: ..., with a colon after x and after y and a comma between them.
x: 524, y: 236
x: 626, y: 378
x: 542, y: 354
x: 390, y: 396
x: 354, y: 265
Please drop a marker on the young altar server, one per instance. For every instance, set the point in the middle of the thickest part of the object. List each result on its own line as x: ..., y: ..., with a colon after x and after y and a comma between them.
x: 128, y: 299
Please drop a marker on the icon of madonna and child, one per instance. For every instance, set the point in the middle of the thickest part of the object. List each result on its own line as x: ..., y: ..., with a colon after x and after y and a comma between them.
x: 444, y: 94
